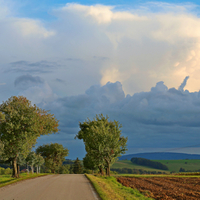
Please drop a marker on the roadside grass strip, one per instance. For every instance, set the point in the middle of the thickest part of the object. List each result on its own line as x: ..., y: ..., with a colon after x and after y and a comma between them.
x: 7, y: 179
x: 109, y: 189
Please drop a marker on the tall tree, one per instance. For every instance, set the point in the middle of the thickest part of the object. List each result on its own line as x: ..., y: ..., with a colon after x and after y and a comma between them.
x: 54, y: 154
x: 38, y: 162
x: 103, y: 140
x: 31, y: 160
x: 22, y: 124
x: 20, y: 161
x: 77, y: 167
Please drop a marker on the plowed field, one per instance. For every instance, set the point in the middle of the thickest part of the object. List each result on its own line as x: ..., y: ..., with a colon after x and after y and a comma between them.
x: 162, y: 188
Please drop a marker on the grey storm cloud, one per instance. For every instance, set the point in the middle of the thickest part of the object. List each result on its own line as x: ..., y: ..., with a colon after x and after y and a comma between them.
x: 59, y: 80
x: 160, y: 106
x: 183, y: 84
x: 161, y: 117
x: 34, y: 88
x: 26, y: 81
x: 35, y: 67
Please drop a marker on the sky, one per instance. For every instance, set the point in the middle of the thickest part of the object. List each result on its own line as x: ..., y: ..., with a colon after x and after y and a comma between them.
x: 135, y: 61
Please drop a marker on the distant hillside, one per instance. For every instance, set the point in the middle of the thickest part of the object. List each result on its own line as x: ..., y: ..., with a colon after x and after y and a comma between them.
x: 161, y: 156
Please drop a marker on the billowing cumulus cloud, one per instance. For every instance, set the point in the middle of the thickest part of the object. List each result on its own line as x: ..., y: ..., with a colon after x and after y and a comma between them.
x: 152, y: 42
x: 161, y: 118
x: 129, y: 61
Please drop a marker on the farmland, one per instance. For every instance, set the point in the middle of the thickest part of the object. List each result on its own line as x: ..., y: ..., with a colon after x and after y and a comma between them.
x: 129, y: 164
x: 164, y: 187
x: 173, y: 165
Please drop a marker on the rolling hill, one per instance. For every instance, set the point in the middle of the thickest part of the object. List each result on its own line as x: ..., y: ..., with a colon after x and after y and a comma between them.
x: 161, y: 156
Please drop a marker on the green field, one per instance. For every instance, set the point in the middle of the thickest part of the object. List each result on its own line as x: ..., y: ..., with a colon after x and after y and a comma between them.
x: 128, y: 164
x: 108, y: 189
x: 173, y: 165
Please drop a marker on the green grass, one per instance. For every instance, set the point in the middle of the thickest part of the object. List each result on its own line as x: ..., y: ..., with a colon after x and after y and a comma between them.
x: 7, y: 179
x: 109, y: 189
x: 175, y: 165
x: 128, y: 164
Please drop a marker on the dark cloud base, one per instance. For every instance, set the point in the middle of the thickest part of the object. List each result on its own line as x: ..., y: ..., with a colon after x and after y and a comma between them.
x: 160, y: 118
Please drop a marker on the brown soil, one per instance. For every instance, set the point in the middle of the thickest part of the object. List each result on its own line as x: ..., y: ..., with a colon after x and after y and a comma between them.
x: 162, y: 188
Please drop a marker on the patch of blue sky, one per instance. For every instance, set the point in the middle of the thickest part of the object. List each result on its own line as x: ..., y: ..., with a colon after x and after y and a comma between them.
x: 42, y: 9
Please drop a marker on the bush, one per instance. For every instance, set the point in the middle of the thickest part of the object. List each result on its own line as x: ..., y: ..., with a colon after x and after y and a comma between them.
x: 6, y: 171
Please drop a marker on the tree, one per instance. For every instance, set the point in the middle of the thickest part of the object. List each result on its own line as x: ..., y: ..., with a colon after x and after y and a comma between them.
x: 20, y: 161
x: 1, y: 148
x: 89, y: 162
x: 22, y: 123
x: 77, y: 167
x: 103, y: 141
x: 39, y: 160
x: 54, y: 154
x: 30, y: 161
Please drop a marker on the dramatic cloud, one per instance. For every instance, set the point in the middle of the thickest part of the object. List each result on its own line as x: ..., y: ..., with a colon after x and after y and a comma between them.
x: 35, y: 89
x: 37, y: 67
x: 97, y: 44
x: 104, y: 48
x: 161, y: 118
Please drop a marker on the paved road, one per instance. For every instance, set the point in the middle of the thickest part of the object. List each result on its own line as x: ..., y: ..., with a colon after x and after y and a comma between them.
x: 51, y: 187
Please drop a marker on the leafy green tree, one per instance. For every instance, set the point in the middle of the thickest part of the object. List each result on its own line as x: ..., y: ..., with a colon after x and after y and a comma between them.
x: 89, y: 162
x: 77, y: 167
x: 1, y: 150
x: 103, y: 140
x: 64, y: 169
x: 54, y: 154
x: 39, y: 160
x: 20, y: 161
x: 22, y: 123
x: 31, y: 160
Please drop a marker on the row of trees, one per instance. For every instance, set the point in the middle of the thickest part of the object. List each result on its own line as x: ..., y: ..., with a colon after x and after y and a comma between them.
x: 135, y: 171
x: 21, y: 123
x: 103, y: 142
x: 149, y: 163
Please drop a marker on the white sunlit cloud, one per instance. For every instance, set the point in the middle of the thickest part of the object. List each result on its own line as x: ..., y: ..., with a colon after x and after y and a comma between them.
x: 119, y: 55
x: 162, y: 118
x: 142, y: 48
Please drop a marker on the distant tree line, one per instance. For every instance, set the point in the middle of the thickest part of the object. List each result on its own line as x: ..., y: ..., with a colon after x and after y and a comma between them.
x: 184, y: 170
x: 149, y: 163
x: 134, y: 171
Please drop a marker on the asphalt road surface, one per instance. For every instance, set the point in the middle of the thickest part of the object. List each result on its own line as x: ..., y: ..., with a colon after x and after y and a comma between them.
x: 51, y: 187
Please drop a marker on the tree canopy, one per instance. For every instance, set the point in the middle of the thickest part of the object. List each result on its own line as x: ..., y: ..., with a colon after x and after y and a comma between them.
x: 54, y: 154
x: 20, y: 125
x: 103, y: 141
x: 77, y: 167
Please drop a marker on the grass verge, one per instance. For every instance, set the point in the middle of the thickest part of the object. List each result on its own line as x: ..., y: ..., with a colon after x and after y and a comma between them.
x: 109, y: 189
x: 7, y: 179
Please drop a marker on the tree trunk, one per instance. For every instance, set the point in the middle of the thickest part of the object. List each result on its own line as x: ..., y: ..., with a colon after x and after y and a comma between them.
x: 32, y: 169
x: 27, y: 168
x: 14, y: 165
x: 101, y: 171
x: 18, y: 170
x: 107, y: 168
x: 39, y: 169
